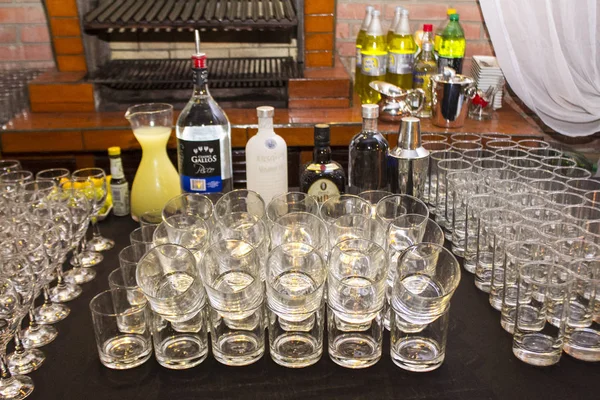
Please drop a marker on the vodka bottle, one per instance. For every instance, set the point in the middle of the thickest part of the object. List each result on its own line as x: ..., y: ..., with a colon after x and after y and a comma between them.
x: 203, y: 137
x: 266, y: 158
x: 368, y: 152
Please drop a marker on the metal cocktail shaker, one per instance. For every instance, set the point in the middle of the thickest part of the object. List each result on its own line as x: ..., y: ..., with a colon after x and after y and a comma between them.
x: 409, y: 161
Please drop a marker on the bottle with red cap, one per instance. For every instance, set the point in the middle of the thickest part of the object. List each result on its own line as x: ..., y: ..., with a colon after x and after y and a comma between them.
x: 424, y: 35
x: 203, y: 137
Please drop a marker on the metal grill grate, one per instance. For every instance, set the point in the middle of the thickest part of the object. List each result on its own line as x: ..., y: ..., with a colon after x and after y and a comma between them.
x: 167, y: 14
x: 224, y: 73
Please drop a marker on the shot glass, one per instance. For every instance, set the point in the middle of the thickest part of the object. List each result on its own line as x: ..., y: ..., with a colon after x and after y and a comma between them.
x: 240, y: 201
x: 193, y: 204
x: 301, y: 227
x: 356, y: 226
x: 356, y: 295
x: 337, y: 206
x: 489, y: 221
x: 505, y: 234
x: 543, y: 287
x: 118, y: 348
x: 582, y: 186
x: 292, y: 202
x: 182, y: 344
x: 391, y: 207
x: 443, y: 201
x: 230, y: 272
x: 152, y: 217
x: 168, y: 276
x: 582, y: 332
x: 295, y: 284
x: 131, y: 255
x: 517, y: 254
x: 564, y: 174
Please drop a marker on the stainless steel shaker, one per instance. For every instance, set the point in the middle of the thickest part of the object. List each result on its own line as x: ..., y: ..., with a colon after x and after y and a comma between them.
x: 409, y: 161
x: 451, y: 96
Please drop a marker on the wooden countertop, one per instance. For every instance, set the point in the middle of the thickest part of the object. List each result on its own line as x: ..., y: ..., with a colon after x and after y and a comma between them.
x: 95, y: 131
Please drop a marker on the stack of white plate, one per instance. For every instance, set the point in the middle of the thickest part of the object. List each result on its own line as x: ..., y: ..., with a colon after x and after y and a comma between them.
x: 486, y: 72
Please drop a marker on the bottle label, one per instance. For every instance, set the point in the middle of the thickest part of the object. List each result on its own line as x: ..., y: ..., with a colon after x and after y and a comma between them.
x: 200, y: 165
x: 358, y: 57
x: 116, y: 168
x: 422, y: 80
x: 454, y: 63
x: 373, y: 65
x: 401, y: 63
x: 120, y: 195
x: 323, y: 189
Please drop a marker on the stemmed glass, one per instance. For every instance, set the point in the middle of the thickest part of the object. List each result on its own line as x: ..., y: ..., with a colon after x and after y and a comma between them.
x: 9, y: 166
x: 98, y: 179
x: 16, y: 293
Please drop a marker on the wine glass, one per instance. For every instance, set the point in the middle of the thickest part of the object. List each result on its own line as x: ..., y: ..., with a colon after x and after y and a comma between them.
x: 9, y: 166
x: 16, y: 293
x: 98, y: 178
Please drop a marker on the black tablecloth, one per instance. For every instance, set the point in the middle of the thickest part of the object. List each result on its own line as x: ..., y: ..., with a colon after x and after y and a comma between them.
x: 479, y: 363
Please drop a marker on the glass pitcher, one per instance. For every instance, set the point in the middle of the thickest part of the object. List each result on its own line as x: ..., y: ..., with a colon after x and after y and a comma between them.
x: 156, y: 180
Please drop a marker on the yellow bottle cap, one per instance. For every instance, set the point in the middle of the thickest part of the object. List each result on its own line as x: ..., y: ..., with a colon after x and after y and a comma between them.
x: 114, y: 151
x: 451, y: 11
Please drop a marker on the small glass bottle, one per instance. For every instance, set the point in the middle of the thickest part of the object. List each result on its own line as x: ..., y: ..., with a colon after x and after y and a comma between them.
x: 322, y: 177
x: 203, y: 137
x: 266, y: 158
x: 119, y: 187
x: 368, y: 152
x: 401, y: 58
x: 425, y: 68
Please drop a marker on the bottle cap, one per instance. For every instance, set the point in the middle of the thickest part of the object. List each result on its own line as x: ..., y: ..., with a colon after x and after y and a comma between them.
x: 265, y: 112
x: 114, y: 151
x: 409, y: 137
x: 322, y: 134
x: 428, y: 28
x: 454, y: 17
x: 451, y: 11
x: 427, y: 46
x: 398, y: 9
x: 370, y: 111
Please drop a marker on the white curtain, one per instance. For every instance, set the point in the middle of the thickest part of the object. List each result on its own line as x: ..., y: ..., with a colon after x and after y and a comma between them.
x: 548, y: 51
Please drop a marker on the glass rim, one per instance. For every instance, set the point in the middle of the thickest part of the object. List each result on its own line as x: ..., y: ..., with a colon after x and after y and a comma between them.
x: 593, y: 280
x: 455, y: 155
x: 301, y: 214
x: 51, y: 171
x: 186, y: 196
x: 457, y: 277
x: 304, y: 197
x: 135, y: 308
x: 119, y: 286
x: 567, y: 282
x: 331, y: 273
x: 148, y: 108
x: 97, y: 173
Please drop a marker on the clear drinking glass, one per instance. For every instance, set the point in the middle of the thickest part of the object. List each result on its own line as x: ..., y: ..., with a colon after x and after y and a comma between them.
x: 553, y: 231
x: 494, y: 136
x: 561, y: 200
x: 434, y: 137
x: 9, y: 166
x: 563, y: 174
x: 291, y: 202
x: 550, y: 163
x: 301, y: 227
x: 517, y: 254
x: 543, y: 153
x: 582, y: 332
x: 506, y: 154
x: 501, y: 144
x: 474, y: 207
x: 546, y: 187
x: 240, y: 201
x: 461, y: 193
x: 581, y: 214
x: 433, y: 147
x: 543, y: 287
x: 191, y: 204
x: 443, y: 196
x: 391, y: 207
x: 593, y: 197
x: 465, y: 137
x: 356, y: 226
x: 519, y: 164
x: 582, y: 186
x: 530, y: 175
x: 118, y: 348
x: 356, y: 294
x: 373, y: 197
x: 230, y: 272
x: 466, y: 146
x: 344, y: 204
x: 533, y: 144
x: 434, y: 158
x: 143, y: 235
x: 481, y: 154
x: 151, y: 217
x: 189, y: 231
x: 295, y: 284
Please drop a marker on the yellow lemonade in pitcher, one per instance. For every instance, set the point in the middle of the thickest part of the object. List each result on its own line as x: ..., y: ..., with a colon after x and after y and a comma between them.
x: 156, y: 180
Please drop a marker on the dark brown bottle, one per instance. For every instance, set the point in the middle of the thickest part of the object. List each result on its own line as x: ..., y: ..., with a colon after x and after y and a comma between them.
x: 322, y: 177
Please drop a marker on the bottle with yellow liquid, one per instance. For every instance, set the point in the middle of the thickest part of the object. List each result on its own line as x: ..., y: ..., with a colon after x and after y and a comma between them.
x: 394, y: 24
x: 401, y: 58
x: 452, y: 46
x: 438, y: 32
x: 425, y: 67
x: 374, y: 59
x: 156, y: 180
x: 360, y: 38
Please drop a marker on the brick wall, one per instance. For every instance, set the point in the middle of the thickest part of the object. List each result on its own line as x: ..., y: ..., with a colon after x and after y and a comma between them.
x: 24, y: 38
x: 351, y: 12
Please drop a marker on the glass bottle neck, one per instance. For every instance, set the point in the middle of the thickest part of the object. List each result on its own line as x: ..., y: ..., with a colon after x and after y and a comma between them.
x: 200, y: 82
x: 265, y: 125
x: 322, y: 154
x: 369, y: 125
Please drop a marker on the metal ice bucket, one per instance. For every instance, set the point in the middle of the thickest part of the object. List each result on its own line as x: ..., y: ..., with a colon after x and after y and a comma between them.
x: 451, y: 96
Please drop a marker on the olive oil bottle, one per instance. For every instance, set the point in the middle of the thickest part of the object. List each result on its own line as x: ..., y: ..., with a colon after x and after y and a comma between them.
x: 401, y: 58
x: 374, y: 59
x: 360, y: 38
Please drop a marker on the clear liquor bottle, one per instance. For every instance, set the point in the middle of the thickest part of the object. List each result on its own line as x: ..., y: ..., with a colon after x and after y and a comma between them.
x: 322, y: 177
x: 203, y: 137
x: 367, y: 164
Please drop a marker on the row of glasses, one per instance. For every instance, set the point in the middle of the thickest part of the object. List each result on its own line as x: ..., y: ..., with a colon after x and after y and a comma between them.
x: 526, y: 203
x: 244, y: 271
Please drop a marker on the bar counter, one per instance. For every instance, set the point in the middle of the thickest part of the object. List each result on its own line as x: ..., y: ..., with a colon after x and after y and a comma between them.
x: 479, y: 362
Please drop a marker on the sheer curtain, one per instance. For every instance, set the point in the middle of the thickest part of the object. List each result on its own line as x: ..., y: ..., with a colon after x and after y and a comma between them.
x: 548, y: 51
